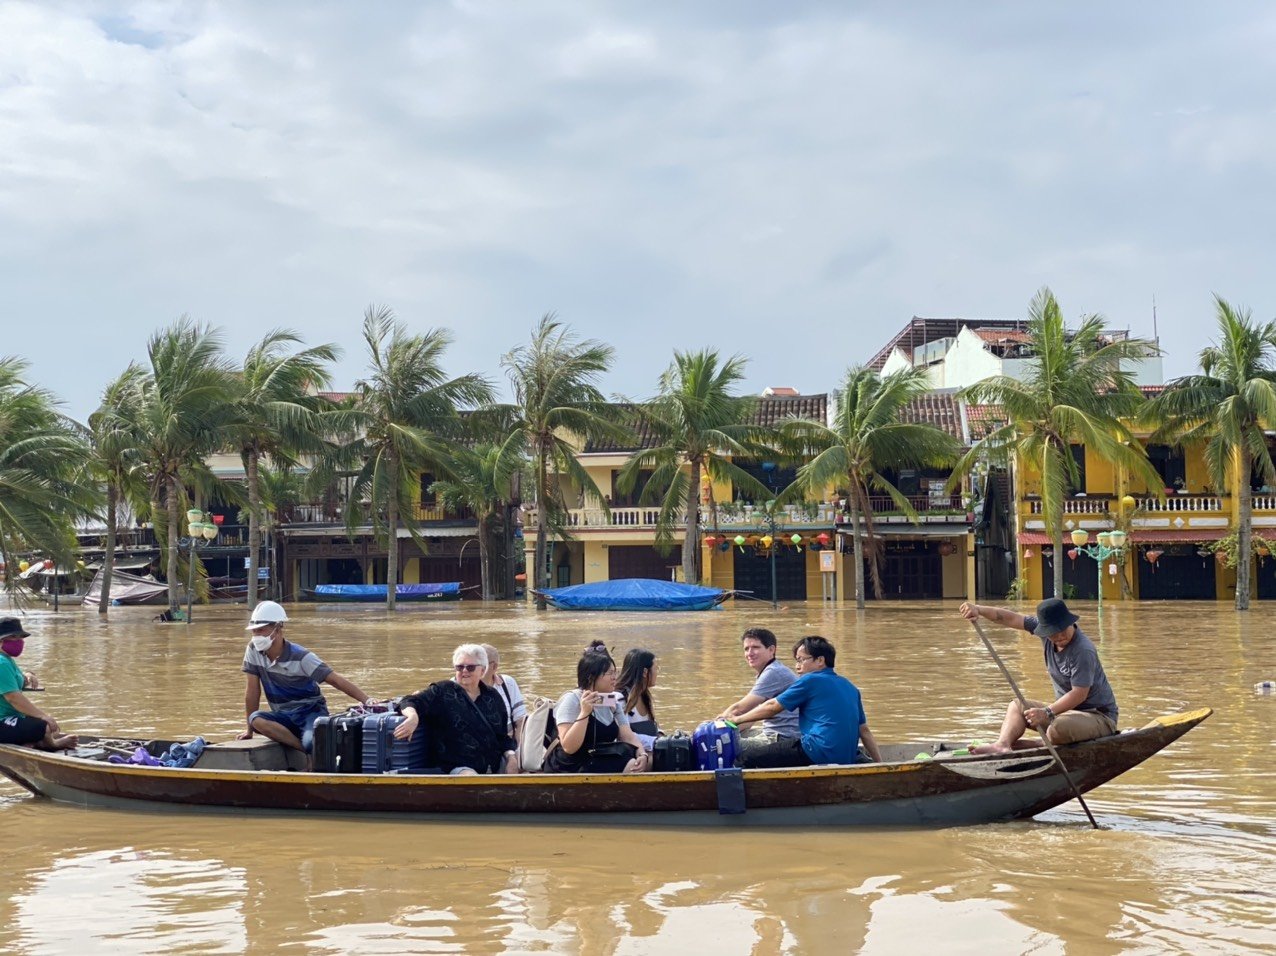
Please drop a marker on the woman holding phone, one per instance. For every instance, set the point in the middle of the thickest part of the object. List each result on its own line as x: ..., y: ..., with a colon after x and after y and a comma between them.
x: 593, y: 730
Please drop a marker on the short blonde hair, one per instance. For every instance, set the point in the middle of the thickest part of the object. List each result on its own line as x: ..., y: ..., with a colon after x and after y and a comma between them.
x: 470, y: 650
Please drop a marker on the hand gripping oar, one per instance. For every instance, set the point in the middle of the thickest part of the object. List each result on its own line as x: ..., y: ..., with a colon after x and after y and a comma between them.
x: 1023, y: 707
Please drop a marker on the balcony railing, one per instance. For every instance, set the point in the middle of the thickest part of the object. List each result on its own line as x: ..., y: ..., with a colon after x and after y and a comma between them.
x: 1074, y: 506
x: 922, y: 504
x: 1179, y: 504
x: 1264, y: 502
x: 745, y: 516
x: 334, y: 514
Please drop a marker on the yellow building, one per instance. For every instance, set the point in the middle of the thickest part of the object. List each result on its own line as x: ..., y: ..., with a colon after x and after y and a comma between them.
x: 804, y: 548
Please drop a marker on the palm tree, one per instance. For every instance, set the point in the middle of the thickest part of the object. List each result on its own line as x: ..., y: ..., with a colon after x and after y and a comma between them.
x: 1228, y: 407
x: 479, y: 479
x: 1077, y: 391
x: 278, y: 414
x: 869, y: 436
x: 697, y: 423
x: 556, y: 401
x: 116, y: 461
x: 184, y: 397
x: 404, y: 414
x: 42, y: 486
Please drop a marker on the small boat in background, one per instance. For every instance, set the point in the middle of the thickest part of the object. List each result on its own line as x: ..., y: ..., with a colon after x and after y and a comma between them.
x: 127, y: 589
x: 372, y: 593
x: 635, y: 594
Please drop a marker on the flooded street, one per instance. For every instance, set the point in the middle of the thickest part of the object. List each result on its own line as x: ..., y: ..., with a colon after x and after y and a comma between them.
x: 1185, y: 861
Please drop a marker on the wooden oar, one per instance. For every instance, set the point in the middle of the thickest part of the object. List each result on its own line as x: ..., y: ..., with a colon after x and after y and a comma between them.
x: 1023, y: 707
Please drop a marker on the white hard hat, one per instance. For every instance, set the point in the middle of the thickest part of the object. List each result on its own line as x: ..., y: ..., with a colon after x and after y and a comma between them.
x: 267, y: 612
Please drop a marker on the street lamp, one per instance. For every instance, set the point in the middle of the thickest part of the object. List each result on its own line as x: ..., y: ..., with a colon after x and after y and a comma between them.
x: 1109, y: 544
x: 767, y: 519
x: 201, y: 534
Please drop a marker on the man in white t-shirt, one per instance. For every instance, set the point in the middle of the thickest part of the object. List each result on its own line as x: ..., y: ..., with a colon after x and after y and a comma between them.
x: 507, y: 689
x: 773, y: 678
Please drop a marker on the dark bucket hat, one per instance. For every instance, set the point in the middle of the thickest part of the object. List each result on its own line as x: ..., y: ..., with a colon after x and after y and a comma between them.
x: 1053, y: 616
x: 12, y: 627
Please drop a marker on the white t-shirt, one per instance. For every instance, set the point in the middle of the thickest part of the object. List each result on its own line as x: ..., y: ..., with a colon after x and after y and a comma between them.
x: 515, y: 707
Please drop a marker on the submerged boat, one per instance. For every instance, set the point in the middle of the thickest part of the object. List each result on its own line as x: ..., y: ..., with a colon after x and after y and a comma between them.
x: 635, y: 594
x: 127, y: 589
x: 902, y: 791
x: 371, y: 593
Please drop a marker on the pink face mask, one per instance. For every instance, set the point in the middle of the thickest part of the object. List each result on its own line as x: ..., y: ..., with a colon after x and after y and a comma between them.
x: 12, y: 646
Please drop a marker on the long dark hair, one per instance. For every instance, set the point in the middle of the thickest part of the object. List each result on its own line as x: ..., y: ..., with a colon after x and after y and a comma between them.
x: 593, y: 664
x: 635, y: 680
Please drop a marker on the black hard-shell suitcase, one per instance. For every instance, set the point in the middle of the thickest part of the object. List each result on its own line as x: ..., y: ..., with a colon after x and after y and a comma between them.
x: 338, y: 744
x: 675, y: 752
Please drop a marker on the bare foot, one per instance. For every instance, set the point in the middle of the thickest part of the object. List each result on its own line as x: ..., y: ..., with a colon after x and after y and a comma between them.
x: 990, y: 749
x: 65, y: 742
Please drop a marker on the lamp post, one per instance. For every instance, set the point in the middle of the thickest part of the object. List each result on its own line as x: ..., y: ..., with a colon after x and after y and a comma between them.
x: 1109, y: 544
x: 767, y: 521
x: 201, y: 534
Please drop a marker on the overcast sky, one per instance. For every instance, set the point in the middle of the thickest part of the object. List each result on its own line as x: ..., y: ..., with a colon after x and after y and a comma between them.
x: 791, y: 182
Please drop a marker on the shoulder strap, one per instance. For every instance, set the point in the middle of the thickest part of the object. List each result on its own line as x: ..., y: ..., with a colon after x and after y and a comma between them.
x: 482, y: 717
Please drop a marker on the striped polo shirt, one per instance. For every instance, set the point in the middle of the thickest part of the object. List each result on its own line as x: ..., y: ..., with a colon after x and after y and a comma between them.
x: 292, y: 682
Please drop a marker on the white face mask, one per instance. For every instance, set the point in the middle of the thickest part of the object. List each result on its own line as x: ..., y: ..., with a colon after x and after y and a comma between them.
x: 262, y: 641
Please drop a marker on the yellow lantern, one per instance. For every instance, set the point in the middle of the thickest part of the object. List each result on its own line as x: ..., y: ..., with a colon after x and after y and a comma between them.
x: 767, y: 540
x: 1128, y: 502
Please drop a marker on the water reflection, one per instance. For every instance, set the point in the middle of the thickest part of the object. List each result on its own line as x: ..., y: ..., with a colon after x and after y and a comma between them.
x: 1184, y: 862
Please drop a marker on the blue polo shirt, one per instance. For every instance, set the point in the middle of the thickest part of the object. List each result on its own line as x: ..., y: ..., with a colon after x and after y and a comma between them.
x: 830, y: 713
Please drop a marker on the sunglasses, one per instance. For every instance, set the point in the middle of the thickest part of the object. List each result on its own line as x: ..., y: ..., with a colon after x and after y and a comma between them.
x: 468, y: 668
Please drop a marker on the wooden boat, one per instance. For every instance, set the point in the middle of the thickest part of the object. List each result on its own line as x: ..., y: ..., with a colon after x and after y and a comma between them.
x: 376, y: 593
x: 634, y: 594
x: 904, y: 791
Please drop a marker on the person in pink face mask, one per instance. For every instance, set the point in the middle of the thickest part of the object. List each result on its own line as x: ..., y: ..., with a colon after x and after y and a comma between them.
x: 22, y: 722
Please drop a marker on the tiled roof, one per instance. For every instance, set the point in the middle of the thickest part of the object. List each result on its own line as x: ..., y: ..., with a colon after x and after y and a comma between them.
x: 1002, y: 335
x: 983, y: 419
x: 921, y: 330
x: 335, y: 396
x: 770, y: 411
x: 940, y: 409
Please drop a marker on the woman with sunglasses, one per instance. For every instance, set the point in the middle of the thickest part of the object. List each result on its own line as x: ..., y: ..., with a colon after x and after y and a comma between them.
x: 464, y: 718
x: 593, y: 728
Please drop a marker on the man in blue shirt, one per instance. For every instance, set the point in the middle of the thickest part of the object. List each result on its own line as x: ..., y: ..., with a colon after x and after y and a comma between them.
x: 830, y: 714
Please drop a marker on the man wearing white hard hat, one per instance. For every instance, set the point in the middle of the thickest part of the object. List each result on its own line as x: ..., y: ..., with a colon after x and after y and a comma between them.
x: 290, y: 675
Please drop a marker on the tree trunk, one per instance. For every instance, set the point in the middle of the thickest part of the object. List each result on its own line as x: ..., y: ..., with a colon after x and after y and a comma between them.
x: 485, y: 547
x: 108, y: 559
x: 691, y: 544
x: 540, y: 573
x: 170, y: 501
x: 1244, y: 532
x: 858, y: 549
x: 392, y: 549
x: 254, y: 524
x: 1058, y: 560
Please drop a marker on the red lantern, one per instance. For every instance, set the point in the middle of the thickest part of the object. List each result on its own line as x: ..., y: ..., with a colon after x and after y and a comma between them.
x: 822, y: 538
x: 710, y: 540
x: 946, y: 548
x: 218, y: 519
x: 1072, y: 553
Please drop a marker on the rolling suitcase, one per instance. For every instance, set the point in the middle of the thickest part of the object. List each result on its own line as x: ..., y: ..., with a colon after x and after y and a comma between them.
x: 383, y: 754
x: 717, y: 745
x: 675, y: 752
x: 338, y: 744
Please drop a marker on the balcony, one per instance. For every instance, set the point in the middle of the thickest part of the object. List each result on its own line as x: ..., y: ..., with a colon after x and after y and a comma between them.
x: 1074, y: 506
x: 1181, y: 504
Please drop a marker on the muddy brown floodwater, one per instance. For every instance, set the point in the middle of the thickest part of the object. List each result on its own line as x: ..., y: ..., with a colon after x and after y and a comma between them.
x: 1185, y: 861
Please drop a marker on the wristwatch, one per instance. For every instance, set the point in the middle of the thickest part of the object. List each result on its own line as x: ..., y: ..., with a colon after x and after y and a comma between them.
x: 1050, y: 714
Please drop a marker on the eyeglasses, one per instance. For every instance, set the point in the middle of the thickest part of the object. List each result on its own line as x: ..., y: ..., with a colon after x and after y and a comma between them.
x: 468, y: 668
x: 802, y: 660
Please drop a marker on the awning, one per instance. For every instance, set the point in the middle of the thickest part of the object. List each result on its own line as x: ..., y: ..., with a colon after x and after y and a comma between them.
x: 912, y: 531
x: 366, y: 532
x: 1138, y: 536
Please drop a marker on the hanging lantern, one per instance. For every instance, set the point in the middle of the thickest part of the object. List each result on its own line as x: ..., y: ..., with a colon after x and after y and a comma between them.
x: 822, y: 538
x: 766, y: 540
x: 724, y: 545
x: 1262, y: 551
x: 1152, y: 555
x: 1027, y: 554
x: 1128, y: 502
x: 739, y: 540
x: 1112, y: 570
x: 946, y: 548
x: 710, y: 541
x: 795, y: 539
x: 1072, y: 553
x: 1220, y: 557
x: 218, y: 519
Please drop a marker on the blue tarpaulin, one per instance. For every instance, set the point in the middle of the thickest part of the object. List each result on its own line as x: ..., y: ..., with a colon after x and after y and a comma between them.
x: 449, y: 591
x: 634, y: 594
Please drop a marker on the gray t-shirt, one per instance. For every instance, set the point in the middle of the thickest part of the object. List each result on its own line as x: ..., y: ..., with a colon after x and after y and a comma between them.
x: 568, y: 709
x: 772, y: 682
x: 1077, y: 665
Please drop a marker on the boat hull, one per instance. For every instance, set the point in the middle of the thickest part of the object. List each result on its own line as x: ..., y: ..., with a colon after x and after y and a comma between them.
x: 940, y: 792
x: 376, y: 593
